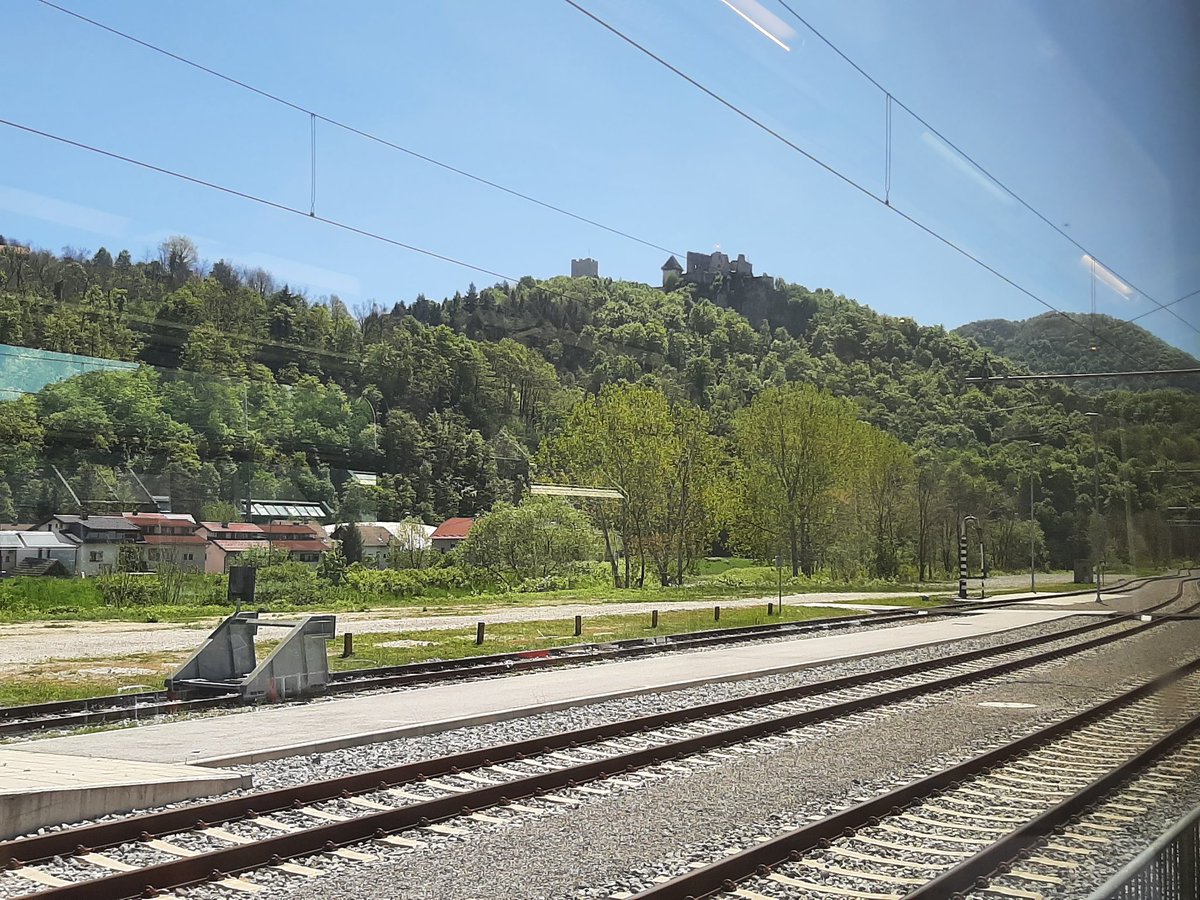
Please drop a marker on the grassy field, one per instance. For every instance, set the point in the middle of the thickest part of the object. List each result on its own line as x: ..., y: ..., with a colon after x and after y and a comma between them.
x: 24, y: 599
x: 512, y: 637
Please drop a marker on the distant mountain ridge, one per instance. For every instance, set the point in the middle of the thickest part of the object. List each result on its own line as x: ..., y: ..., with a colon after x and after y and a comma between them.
x: 1051, y: 343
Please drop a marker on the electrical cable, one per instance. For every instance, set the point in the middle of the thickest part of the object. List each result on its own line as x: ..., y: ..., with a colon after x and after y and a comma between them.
x: 758, y: 123
x: 358, y: 131
x: 1000, y: 184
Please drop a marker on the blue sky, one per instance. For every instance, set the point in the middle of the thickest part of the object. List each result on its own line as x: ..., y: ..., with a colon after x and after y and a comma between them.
x: 1087, y: 108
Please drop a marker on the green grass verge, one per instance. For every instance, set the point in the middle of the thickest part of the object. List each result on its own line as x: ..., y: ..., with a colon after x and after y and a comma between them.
x: 515, y: 637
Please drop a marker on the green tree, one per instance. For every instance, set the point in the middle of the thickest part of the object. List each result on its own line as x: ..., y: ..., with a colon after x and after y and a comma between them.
x: 537, y: 540
x: 352, y: 543
x: 794, y: 445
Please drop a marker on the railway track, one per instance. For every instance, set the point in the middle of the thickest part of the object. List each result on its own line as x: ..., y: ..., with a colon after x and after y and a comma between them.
x: 21, y: 720
x: 401, y: 805
x: 1006, y: 823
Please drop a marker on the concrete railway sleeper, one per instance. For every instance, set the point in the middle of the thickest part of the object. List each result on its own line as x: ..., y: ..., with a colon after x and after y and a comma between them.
x: 965, y: 828
x: 17, y: 720
x: 460, y: 784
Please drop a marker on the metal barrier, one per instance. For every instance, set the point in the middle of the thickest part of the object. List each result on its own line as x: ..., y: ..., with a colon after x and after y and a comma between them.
x: 1166, y: 870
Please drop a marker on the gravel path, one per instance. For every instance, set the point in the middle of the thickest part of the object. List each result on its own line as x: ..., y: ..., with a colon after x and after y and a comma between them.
x: 658, y: 828
x: 34, y: 642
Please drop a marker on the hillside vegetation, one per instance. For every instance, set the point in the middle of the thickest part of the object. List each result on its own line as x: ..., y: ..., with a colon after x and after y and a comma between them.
x: 1051, y: 343
x: 248, y: 387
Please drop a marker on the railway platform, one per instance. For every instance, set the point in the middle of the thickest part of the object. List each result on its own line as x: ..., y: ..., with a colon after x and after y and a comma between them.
x: 242, y: 738
x: 39, y: 789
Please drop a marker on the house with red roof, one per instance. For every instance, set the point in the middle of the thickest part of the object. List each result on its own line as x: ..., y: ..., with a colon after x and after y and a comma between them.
x: 227, y: 541
x: 169, y: 539
x: 451, y: 533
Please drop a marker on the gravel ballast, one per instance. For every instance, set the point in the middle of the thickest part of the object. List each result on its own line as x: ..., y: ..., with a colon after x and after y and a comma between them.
x: 618, y: 843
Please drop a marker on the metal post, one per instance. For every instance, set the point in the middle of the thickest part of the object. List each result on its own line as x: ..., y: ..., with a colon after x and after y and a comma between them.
x: 479, y: 634
x: 982, y: 574
x: 716, y: 614
x: 578, y: 626
x: 770, y: 609
x: 654, y: 619
x: 347, y: 645
x: 1032, y: 541
x: 1093, y: 416
x: 962, y: 557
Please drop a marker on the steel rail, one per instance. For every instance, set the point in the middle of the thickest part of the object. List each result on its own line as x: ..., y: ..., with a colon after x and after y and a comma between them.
x: 189, y: 870
x: 724, y: 874
x: 17, y: 720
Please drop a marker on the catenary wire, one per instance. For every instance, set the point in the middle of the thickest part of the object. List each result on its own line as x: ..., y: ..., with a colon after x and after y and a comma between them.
x: 1000, y: 184
x: 283, y: 207
x: 350, y: 128
x: 316, y: 116
x: 758, y: 123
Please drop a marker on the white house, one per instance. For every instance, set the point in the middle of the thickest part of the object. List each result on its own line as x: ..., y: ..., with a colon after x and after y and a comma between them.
x: 29, y: 550
x: 98, y: 539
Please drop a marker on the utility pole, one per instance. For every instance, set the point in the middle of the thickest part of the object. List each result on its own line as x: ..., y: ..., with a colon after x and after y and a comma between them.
x: 1032, y: 525
x: 1093, y: 416
x: 962, y: 557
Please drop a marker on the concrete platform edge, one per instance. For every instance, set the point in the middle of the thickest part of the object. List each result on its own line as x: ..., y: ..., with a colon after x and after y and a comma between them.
x: 437, y: 726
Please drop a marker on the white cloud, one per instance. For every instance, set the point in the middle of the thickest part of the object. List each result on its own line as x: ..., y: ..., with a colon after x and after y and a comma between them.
x: 298, y: 273
x: 48, y: 209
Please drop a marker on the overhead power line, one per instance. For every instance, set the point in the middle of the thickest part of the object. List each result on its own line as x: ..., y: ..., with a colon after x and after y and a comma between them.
x: 361, y: 132
x: 1074, y: 376
x: 1000, y: 184
x: 758, y: 123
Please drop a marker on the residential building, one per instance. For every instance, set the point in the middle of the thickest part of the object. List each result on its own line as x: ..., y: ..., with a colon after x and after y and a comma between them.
x: 31, y: 552
x: 98, y: 539
x: 451, y: 533
x: 170, y: 539
x: 376, y: 541
x: 227, y: 541
x: 303, y: 543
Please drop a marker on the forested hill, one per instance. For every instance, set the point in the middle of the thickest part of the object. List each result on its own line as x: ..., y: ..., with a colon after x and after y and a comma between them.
x: 248, y: 387
x: 1050, y: 343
